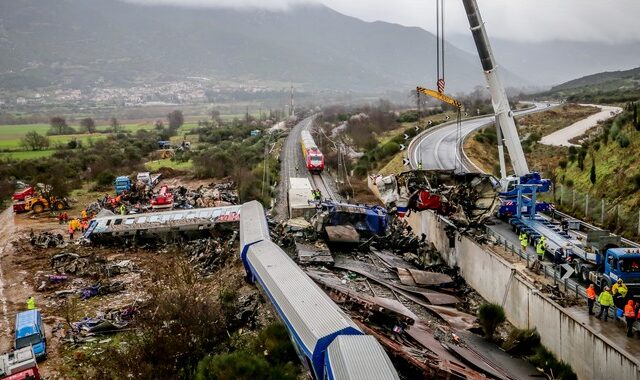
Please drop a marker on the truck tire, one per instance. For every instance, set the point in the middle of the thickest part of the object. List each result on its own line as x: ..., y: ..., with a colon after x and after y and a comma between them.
x: 59, y: 206
x: 38, y: 207
x: 584, y: 274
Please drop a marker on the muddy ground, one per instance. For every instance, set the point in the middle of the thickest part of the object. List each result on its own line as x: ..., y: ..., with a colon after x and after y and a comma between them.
x: 24, y: 267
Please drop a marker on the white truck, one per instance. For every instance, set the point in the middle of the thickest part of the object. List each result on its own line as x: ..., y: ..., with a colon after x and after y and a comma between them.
x: 148, y: 179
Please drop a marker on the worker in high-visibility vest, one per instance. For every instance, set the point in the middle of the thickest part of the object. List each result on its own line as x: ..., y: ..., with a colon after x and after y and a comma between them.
x: 524, y: 241
x: 606, y: 301
x: 619, y: 288
x: 540, y: 248
x: 630, y: 317
x: 31, y: 303
x: 591, y: 298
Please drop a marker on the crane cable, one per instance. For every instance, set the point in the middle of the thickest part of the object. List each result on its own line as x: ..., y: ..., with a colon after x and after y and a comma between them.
x: 440, y: 54
x: 440, y: 45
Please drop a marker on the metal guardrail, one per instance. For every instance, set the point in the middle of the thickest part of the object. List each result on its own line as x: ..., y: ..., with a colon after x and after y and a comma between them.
x: 548, y: 269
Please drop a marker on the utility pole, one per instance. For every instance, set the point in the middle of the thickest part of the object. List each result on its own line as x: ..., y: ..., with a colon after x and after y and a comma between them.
x: 291, y: 109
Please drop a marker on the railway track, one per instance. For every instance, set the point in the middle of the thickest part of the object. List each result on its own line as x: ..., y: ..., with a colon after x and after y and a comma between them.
x: 319, y: 182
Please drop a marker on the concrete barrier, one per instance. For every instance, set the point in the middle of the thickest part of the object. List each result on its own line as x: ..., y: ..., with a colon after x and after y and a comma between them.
x: 590, y: 355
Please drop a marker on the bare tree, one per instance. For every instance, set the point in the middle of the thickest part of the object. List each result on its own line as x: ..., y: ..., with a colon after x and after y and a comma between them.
x: 176, y: 119
x: 115, y: 125
x: 88, y: 124
x: 59, y: 126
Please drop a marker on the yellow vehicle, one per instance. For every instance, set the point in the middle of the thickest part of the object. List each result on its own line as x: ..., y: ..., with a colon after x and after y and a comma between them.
x: 39, y: 204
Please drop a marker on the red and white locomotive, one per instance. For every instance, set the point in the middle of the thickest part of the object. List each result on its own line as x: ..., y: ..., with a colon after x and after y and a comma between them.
x: 314, y: 159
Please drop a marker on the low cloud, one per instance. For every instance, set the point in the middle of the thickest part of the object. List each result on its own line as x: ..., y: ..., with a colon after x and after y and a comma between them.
x: 611, y: 21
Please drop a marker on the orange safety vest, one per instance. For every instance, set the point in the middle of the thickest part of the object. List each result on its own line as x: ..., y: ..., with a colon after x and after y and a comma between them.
x: 591, y: 293
x: 629, y: 311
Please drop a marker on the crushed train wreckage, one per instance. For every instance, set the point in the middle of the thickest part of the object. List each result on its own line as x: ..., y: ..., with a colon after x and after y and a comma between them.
x: 465, y: 198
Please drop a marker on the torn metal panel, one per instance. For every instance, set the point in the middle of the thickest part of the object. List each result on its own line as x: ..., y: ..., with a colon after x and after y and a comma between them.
x: 456, y: 318
x: 479, y: 362
x: 342, y: 234
x: 405, y: 277
x: 308, y: 254
x: 429, y: 278
x: 431, y: 365
x: 465, y: 198
x: 368, y: 303
x: 392, y: 261
x: 373, y: 273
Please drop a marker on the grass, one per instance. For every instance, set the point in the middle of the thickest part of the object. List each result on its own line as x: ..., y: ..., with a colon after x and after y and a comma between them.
x: 27, y: 155
x: 11, y: 135
x: 167, y: 163
x: 541, y: 157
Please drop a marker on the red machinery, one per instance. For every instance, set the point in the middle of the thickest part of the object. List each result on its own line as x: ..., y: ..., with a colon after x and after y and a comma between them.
x: 164, y: 199
x: 20, y: 197
x: 314, y: 159
x: 19, y: 365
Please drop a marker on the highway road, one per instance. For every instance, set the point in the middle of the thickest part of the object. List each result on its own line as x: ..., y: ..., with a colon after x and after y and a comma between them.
x: 438, y: 147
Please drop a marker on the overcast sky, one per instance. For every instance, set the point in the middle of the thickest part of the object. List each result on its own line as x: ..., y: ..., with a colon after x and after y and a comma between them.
x: 610, y: 21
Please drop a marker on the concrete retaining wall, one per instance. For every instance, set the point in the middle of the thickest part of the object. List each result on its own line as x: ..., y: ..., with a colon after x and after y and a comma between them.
x: 495, y: 279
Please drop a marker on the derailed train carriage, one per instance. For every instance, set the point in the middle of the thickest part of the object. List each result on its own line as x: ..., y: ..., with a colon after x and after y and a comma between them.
x: 328, y: 342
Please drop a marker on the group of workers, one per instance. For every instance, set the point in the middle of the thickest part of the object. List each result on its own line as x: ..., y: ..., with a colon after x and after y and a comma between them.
x: 78, y: 224
x: 610, y: 297
x: 614, y: 296
x: 541, y: 245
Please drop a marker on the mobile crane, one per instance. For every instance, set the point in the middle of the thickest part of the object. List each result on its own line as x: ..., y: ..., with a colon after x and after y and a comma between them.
x: 505, y: 125
x: 599, y: 259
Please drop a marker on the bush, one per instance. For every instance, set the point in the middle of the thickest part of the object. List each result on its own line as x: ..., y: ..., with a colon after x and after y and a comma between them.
x: 389, y: 149
x: 408, y: 117
x: 491, y: 315
x: 522, y: 342
x: 563, y: 164
x: 105, y: 178
x: 636, y: 181
x: 623, y: 140
x: 544, y: 359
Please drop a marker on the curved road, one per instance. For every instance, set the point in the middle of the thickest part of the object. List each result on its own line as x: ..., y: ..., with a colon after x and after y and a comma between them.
x: 438, y: 148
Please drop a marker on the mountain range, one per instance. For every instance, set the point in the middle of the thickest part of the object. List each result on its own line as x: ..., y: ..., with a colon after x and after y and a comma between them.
x: 102, y: 43
x: 75, y: 43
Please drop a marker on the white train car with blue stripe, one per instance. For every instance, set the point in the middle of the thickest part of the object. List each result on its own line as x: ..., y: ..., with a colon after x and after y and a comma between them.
x: 329, y: 343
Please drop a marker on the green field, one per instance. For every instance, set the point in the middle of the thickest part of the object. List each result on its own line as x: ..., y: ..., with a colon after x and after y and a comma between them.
x: 156, y: 165
x: 27, y: 155
x: 11, y: 135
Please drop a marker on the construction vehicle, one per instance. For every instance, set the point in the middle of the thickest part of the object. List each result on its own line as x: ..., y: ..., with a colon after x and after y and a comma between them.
x: 30, y: 333
x: 19, y: 365
x: 507, y: 132
x: 465, y: 198
x: 509, y: 208
x: 122, y: 184
x: 599, y: 259
x: 164, y: 199
x: 148, y: 179
x: 29, y: 199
